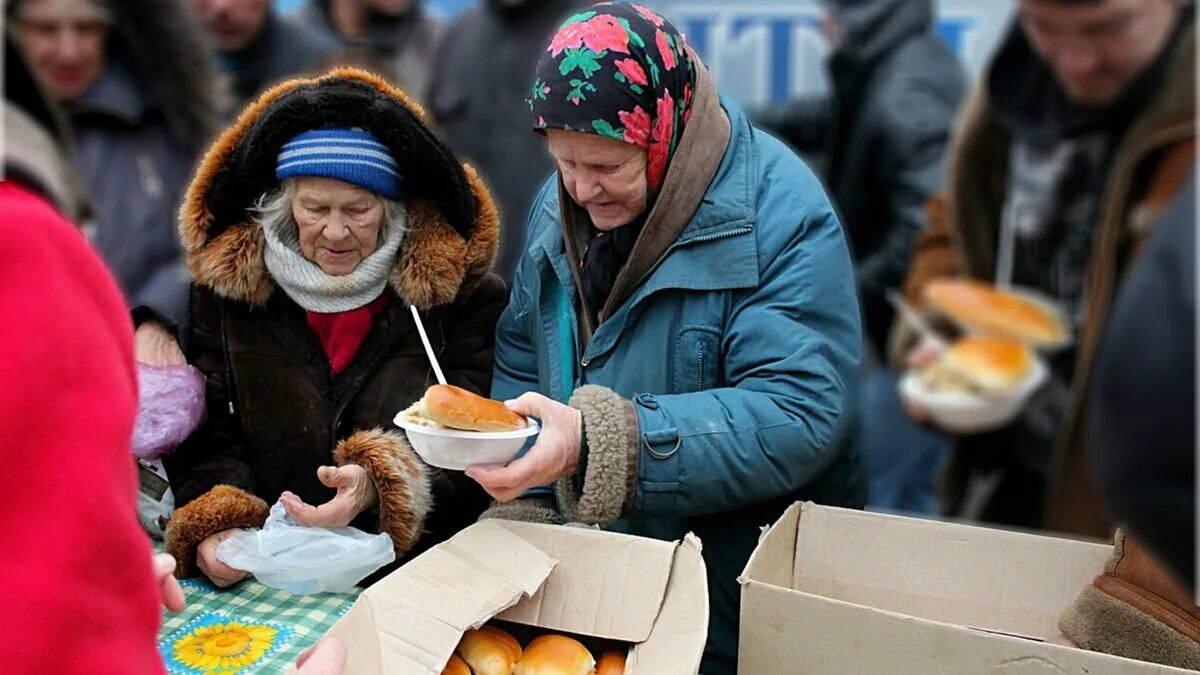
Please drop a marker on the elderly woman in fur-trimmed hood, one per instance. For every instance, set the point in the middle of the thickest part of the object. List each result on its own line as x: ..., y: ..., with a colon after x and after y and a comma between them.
x: 310, y: 227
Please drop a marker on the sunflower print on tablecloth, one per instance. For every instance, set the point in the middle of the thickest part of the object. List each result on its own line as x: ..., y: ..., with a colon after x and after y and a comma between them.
x: 217, y: 643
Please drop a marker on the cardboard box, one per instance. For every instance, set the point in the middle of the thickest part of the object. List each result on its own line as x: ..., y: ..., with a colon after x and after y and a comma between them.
x: 839, y: 591
x: 645, y: 593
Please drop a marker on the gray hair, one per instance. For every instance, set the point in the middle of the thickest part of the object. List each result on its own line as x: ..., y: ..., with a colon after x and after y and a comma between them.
x: 274, y: 210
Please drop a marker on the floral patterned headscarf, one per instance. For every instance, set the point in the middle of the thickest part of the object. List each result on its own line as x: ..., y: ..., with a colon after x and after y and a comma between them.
x: 622, y: 71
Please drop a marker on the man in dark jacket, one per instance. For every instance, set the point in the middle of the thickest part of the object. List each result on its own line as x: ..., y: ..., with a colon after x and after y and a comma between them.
x: 1081, y: 131
x: 257, y: 47
x: 138, y: 87
x: 883, y: 133
x: 480, y: 104
x: 396, y: 38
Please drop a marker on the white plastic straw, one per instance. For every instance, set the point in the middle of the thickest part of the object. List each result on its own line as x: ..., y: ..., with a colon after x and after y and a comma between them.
x: 437, y: 369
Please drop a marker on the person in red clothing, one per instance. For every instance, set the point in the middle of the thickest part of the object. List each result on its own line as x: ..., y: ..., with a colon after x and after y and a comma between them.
x: 81, y: 592
x: 316, y: 219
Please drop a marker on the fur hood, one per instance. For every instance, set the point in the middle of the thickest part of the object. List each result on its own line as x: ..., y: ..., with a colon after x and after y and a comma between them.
x: 164, y: 44
x: 454, y: 226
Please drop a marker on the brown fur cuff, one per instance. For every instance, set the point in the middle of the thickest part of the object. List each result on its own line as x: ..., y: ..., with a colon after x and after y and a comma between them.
x: 221, y: 508
x: 401, y: 482
x: 525, y: 510
x: 612, y: 438
x: 1102, y: 623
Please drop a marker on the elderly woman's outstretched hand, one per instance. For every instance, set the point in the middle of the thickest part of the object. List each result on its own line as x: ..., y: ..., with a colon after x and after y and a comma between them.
x: 355, y: 494
x: 554, y: 455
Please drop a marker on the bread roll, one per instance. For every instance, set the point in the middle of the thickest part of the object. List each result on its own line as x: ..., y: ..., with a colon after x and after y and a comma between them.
x: 456, y: 666
x: 555, y: 655
x: 455, y: 408
x: 981, y: 307
x: 489, y: 651
x: 612, y: 663
x: 981, y: 365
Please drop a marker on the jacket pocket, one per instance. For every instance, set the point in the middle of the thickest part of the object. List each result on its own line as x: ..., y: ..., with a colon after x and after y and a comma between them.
x: 696, y: 362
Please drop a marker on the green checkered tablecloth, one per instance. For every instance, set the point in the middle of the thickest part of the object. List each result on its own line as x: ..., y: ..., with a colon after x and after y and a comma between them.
x: 249, y: 628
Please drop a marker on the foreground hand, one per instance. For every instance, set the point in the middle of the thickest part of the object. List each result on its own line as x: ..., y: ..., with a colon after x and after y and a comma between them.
x: 922, y: 356
x: 326, y: 657
x: 156, y: 346
x: 169, y: 590
x: 554, y: 455
x: 219, y: 573
x: 355, y: 494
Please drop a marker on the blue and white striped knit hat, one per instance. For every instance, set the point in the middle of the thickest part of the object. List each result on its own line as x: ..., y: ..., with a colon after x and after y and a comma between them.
x: 352, y: 155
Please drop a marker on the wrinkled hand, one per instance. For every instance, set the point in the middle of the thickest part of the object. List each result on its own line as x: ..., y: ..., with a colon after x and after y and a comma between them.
x: 326, y: 657
x: 355, y: 494
x: 219, y: 573
x: 156, y: 346
x: 169, y: 590
x: 554, y: 455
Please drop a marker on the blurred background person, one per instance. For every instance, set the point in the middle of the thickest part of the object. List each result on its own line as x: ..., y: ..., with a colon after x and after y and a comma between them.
x: 257, y: 47
x: 397, y: 38
x: 1081, y: 131
x: 481, y: 104
x: 882, y: 134
x: 139, y: 90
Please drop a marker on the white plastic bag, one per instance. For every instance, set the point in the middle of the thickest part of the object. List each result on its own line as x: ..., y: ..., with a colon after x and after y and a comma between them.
x: 305, y: 560
x: 155, y: 502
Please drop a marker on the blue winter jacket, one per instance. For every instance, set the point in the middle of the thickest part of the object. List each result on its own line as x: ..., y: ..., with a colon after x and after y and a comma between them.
x: 739, y: 349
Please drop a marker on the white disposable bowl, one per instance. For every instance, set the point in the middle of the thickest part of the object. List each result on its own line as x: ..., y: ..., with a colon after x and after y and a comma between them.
x: 456, y: 450
x: 966, y: 414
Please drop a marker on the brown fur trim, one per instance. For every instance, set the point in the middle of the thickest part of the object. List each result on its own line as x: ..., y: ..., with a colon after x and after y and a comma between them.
x: 434, y: 267
x: 485, y: 238
x: 525, y: 510
x: 1102, y: 623
x: 221, y: 508
x: 431, y: 266
x: 611, y: 428
x: 400, y: 481
x: 233, y: 265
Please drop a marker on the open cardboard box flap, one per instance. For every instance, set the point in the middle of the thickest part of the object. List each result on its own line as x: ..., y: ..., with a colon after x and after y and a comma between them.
x: 565, y: 579
x: 840, y: 590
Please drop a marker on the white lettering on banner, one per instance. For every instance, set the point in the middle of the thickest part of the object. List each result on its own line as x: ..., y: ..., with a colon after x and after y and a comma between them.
x: 772, y: 50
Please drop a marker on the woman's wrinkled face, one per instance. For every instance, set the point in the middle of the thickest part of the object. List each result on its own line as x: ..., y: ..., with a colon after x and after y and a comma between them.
x: 339, y: 223
x: 605, y: 176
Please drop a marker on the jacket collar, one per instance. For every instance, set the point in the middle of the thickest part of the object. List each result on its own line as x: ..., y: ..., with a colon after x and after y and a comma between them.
x: 116, y: 94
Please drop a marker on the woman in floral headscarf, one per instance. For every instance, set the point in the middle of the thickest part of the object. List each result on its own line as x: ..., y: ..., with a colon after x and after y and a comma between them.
x: 683, y: 320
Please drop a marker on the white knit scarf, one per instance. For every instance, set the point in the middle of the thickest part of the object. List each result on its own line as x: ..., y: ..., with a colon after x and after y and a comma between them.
x: 314, y: 290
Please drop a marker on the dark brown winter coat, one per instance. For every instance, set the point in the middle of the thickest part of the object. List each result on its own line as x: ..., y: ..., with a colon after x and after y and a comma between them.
x: 275, y: 413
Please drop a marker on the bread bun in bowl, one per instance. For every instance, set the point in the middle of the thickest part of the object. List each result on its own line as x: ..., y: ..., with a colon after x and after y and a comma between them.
x: 489, y: 651
x: 445, y: 406
x: 555, y: 655
x: 451, y: 428
x: 978, y: 384
x: 1015, y: 314
x: 981, y: 366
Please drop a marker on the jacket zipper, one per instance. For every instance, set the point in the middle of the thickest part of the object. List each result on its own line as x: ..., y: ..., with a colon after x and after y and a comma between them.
x: 704, y: 239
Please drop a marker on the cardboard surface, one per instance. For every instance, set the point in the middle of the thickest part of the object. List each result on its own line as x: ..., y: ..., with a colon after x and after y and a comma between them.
x: 410, y: 621
x: 607, y: 585
x: 646, y: 593
x: 839, y: 591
